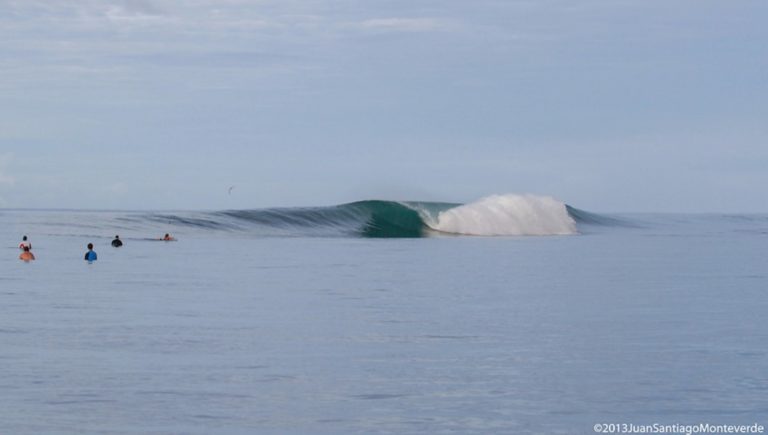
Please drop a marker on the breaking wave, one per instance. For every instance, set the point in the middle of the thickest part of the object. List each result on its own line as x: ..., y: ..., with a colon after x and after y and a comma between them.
x: 507, y: 215
x: 496, y: 215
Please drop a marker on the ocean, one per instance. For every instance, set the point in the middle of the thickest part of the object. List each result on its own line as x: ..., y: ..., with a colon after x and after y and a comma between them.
x: 510, y: 315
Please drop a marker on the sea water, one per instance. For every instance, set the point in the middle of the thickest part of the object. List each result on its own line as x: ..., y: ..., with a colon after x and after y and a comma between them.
x: 640, y: 319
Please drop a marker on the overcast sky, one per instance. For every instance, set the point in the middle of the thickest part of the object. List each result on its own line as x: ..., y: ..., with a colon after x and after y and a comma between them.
x: 607, y: 105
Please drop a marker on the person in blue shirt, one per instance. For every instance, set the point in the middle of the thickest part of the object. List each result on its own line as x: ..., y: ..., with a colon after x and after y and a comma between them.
x: 90, y: 256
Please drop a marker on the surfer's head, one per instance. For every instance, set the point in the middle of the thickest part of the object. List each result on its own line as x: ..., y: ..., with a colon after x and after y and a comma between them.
x: 90, y: 246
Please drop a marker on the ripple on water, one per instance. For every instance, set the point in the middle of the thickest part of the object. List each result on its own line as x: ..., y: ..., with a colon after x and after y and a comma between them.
x: 378, y: 396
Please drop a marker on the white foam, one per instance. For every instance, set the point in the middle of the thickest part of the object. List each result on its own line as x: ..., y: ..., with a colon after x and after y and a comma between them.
x: 507, y: 215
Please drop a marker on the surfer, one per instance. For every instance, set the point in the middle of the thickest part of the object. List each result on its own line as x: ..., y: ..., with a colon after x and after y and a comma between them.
x: 167, y: 237
x: 117, y: 242
x: 27, y: 255
x: 90, y: 256
x: 25, y: 243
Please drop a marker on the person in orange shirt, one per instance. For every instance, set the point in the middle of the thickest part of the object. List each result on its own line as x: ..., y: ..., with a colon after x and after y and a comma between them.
x: 27, y: 255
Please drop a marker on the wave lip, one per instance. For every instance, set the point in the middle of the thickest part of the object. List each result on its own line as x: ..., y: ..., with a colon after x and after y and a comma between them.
x: 507, y: 215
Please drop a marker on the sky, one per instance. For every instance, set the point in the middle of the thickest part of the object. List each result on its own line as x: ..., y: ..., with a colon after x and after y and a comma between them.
x: 611, y: 105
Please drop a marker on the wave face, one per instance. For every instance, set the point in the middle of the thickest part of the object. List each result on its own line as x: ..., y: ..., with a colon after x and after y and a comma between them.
x: 498, y: 215
x: 371, y: 218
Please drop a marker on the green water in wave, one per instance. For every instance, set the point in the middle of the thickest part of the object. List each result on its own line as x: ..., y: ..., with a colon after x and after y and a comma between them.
x: 395, y: 219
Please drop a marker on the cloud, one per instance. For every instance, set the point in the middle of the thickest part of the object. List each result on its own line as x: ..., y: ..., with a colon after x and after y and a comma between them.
x: 404, y: 24
x: 120, y: 14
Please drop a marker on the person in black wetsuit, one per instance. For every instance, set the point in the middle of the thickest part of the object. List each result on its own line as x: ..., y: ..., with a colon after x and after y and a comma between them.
x: 117, y: 242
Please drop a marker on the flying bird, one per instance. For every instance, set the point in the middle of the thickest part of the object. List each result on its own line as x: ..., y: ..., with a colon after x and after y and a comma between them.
x: 230, y: 189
